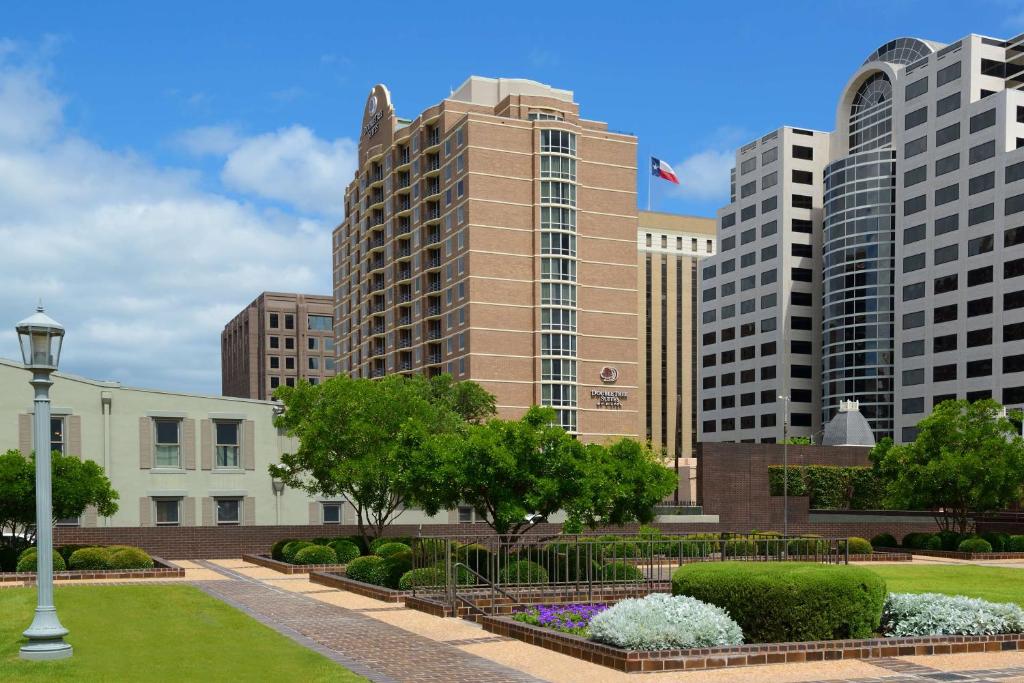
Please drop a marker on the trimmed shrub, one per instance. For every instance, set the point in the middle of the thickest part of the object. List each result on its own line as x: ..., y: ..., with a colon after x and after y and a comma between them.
x: 320, y: 540
x: 858, y: 546
x: 523, y: 571
x: 808, y: 545
x: 130, y: 558
x: 31, y: 550
x: 915, y: 540
x: 275, y: 550
x: 739, y: 547
x: 974, y: 545
x: 358, y: 541
x: 950, y: 539
x: 621, y: 571
x: 1016, y: 544
x: 933, y: 543
x: 478, y: 558
x: 431, y: 577
x: 289, y: 551
x: 930, y: 614
x: 884, y: 541
x: 394, y: 567
x: 389, y: 549
x: 366, y: 569
x: 90, y: 558
x: 28, y: 562
x: 376, y: 543
x: 345, y: 550
x: 788, y: 601
x: 66, y: 550
x: 659, y: 622
x: 997, y: 539
x: 316, y: 554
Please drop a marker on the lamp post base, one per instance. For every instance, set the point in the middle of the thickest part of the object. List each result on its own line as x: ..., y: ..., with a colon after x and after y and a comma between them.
x: 45, y: 637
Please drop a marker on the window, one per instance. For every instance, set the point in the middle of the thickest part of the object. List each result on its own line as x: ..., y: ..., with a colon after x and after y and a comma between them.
x: 748, y: 189
x: 947, y: 104
x: 980, y: 245
x: 944, y: 343
x: 802, y: 225
x: 979, y: 276
x: 1013, y: 300
x: 1014, y: 204
x: 947, y: 164
x: 947, y: 224
x: 913, y: 348
x: 168, y: 443
x: 768, y: 396
x: 946, y: 283
x: 274, y: 321
x: 983, y: 120
x: 769, y: 204
x: 332, y: 513
x: 914, y: 234
x: 913, y: 291
x: 313, y: 343
x: 947, y: 74
x: 980, y: 214
x: 979, y: 368
x: 321, y: 323
x: 289, y: 343
x: 803, y: 177
x: 1014, y: 172
x: 800, y: 298
x: 915, y: 147
x: 769, y: 252
x: 769, y: 180
x: 946, y: 254
x: 748, y: 236
x: 985, y: 150
x: 802, y: 274
x: 913, y: 262
x: 801, y: 152
x: 1013, y: 332
x: 563, y: 168
x: 289, y: 321
x: 915, y: 205
x: 944, y: 314
x: 799, y: 322
x: 769, y: 228
x: 912, y: 320
x: 275, y: 342
x: 982, y: 337
x: 168, y: 511
x: 767, y: 372
x: 915, y: 176
x: 226, y: 447
x: 913, y: 377
x: 769, y: 155
x: 945, y: 195
x: 800, y: 371
x: 557, y: 192
x: 57, y: 435
x: 768, y: 349
x: 1013, y: 363
x: 981, y: 183
x: 948, y: 134
x: 916, y: 89
x: 229, y: 511
x: 748, y: 259
x: 558, y: 141
x: 944, y: 373
x: 802, y: 201
x: 912, y: 406
x: 728, y: 220
x: 915, y: 118
x: 289, y: 363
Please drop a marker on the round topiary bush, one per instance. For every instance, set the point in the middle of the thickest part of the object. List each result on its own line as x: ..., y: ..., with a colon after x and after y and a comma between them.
x: 660, y: 622
x: 621, y: 571
x: 130, y: 558
x: 933, y: 543
x: 289, y: 551
x: 858, y: 546
x: 431, y: 577
x: 28, y: 562
x: 31, y: 550
x: 90, y: 558
x: 394, y: 567
x: 316, y: 554
x: 389, y: 549
x: 1016, y: 544
x: 788, y: 601
x: 884, y: 541
x: 950, y: 539
x: 915, y: 540
x: 376, y: 543
x: 67, y: 550
x: 366, y: 569
x: 808, y: 545
x: 975, y: 545
x: 997, y: 539
x: 277, y: 548
x: 345, y: 550
x: 523, y: 571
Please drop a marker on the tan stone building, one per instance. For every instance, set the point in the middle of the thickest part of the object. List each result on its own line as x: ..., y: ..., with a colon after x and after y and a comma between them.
x: 276, y: 340
x: 669, y: 249
x: 493, y: 237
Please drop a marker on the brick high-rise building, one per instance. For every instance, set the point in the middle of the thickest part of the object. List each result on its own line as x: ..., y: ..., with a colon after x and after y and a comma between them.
x: 493, y: 237
x: 277, y: 339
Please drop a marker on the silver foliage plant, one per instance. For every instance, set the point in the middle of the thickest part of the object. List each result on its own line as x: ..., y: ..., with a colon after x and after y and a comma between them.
x: 661, y: 622
x: 931, y: 614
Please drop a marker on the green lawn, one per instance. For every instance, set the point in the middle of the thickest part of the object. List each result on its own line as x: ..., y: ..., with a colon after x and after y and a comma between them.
x: 998, y: 584
x: 156, y: 633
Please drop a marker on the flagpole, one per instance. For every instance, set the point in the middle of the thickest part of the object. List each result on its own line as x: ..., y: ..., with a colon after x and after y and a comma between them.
x: 650, y: 178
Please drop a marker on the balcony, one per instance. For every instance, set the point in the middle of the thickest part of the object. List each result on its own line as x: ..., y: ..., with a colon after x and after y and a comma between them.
x: 434, y: 333
x: 404, y: 342
x: 404, y: 249
x: 405, y: 365
x: 405, y: 319
x: 432, y: 260
x: 403, y: 273
x: 403, y: 203
x: 433, y: 358
x: 377, y: 372
x: 377, y: 306
x: 433, y: 137
x: 431, y: 188
x: 432, y: 237
x: 404, y: 297
x: 432, y: 309
x: 434, y: 285
x: 376, y: 329
x: 376, y: 263
x: 377, y: 285
x: 402, y: 157
x: 375, y: 242
x: 432, y: 211
x: 431, y: 164
x: 403, y: 227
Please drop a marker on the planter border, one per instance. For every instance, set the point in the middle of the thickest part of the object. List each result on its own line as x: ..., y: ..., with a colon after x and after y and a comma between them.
x: 956, y: 554
x: 333, y: 579
x: 634, y: 661
x: 163, y: 569
x: 287, y: 568
x: 884, y: 556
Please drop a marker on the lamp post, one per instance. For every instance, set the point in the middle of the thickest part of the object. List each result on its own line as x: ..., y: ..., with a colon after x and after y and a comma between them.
x: 40, y: 338
x: 278, y: 487
x: 785, y: 469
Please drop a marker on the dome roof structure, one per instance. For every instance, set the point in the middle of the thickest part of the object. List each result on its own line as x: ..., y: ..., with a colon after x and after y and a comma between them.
x: 848, y: 428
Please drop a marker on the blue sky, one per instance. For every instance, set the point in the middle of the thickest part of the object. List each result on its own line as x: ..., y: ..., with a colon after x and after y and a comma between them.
x: 179, y: 159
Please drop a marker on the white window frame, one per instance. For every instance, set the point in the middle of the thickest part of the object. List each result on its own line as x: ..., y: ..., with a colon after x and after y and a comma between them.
x: 219, y: 462
x: 62, y: 443
x: 216, y: 511
x: 156, y: 511
x: 331, y: 504
x: 157, y: 444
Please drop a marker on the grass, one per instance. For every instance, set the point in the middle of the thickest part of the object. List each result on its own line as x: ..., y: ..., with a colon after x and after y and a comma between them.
x: 997, y: 584
x: 155, y: 633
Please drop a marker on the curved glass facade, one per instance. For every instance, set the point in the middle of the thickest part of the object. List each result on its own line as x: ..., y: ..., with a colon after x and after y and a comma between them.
x: 900, y: 51
x: 857, y: 286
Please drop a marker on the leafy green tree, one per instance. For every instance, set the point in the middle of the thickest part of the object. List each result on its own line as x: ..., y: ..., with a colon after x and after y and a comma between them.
x: 470, y: 400
x: 77, y: 484
x: 966, y: 458
x: 361, y: 439
x: 799, y: 441
x: 513, y: 472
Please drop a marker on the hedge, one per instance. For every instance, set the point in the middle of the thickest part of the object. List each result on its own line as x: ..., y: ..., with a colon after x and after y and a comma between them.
x: 389, y: 549
x: 785, y: 602
x: 884, y: 541
x: 345, y: 550
x: 523, y: 571
x: 90, y: 558
x: 275, y: 550
x: 830, y: 487
x: 1016, y: 544
x: 858, y: 546
x: 998, y: 540
x: 366, y: 569
x: 975, y: 545
x: 431, y: 577
x: 316, y: 554
x: 394, y: 567
x: 29, y: 562
x: 289, y: 550
x: 130, y: 558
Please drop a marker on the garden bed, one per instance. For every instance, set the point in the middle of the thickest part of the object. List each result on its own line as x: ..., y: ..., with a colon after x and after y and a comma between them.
x: 955, y: 554
x: 634, y: 661
x: 335, y: 580
x: 162, y: 569
x: 288, y: 568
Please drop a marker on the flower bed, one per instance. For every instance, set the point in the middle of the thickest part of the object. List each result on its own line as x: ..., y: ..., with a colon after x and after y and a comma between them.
x: 565, y: 618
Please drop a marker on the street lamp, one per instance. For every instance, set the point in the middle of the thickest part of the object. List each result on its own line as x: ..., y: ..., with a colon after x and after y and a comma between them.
x: 785, y: 469
x: 40, y: 338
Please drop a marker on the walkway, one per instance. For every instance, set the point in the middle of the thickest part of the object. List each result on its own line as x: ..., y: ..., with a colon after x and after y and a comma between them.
x: 387, y: 642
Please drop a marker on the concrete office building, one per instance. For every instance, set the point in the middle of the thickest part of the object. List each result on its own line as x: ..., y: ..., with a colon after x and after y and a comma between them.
x: 493, y: 237
x: 669, y: 252
x: 276, y: 340
x: 912, y: 252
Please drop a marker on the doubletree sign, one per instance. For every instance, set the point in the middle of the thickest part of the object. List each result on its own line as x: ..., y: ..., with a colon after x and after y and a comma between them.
x: 608, y: 399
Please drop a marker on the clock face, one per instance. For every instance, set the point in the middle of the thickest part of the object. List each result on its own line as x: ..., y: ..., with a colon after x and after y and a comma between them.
x: 371, y: 106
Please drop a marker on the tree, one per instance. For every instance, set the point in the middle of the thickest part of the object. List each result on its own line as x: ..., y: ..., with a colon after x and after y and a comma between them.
x: 967, y: 457
x: 513, y: 472
x: 360, y: 439
x: 799, y: 441
x: 77, y: 484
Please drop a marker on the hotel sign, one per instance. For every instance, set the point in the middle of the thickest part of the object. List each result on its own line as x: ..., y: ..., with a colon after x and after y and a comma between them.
x: 378, y: 121
x: 609, y: 399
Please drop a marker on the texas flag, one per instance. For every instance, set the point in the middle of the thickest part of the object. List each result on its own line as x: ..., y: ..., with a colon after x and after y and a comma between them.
x: 661, y: 169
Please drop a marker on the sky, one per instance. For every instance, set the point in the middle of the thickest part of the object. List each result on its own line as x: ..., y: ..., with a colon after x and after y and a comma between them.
x: 161, y: 164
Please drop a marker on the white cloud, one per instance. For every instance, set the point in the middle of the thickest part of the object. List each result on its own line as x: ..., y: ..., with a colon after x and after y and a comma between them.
x: 294, y: 166
x: 141, y: 264
x: 704, y: 176
x: 215, y: 140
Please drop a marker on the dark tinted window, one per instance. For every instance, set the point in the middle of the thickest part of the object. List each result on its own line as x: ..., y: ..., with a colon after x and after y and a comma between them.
x: 944, y: 314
